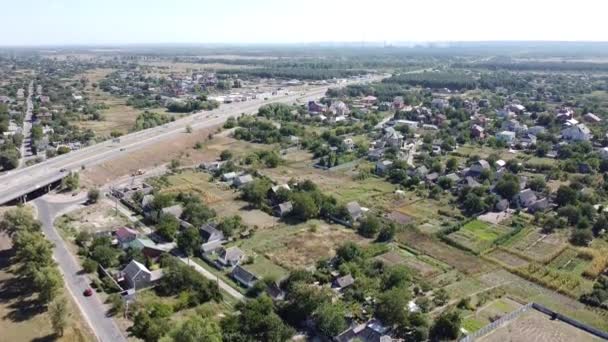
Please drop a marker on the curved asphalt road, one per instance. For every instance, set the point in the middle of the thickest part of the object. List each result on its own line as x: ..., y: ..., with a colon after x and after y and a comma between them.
x: 93, y: 310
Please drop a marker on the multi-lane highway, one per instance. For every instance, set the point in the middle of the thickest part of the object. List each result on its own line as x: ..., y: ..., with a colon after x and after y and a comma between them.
x: 17, y: 183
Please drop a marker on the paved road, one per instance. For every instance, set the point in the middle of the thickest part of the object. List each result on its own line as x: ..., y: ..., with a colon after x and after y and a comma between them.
x: 229, y: 289
x: 14, y: 184
x: 93, y: 310
x: 26, y: 145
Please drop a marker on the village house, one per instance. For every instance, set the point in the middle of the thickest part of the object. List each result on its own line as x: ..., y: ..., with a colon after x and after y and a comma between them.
x: 274, y: 291
x: 372, y: 331
x: 478, y: 167
x: 243, y: 277
x: 137, y: 276
x: 603, y: 152
x: 212, y: 238
x: 316, y: 108
x: 125, y: 236
x: 525, y: 198
x: 506, y: 136
x: 398, y: 102
x: 231, y: 256
x: 283, y: 209
x: 477, y: 132
x: 382, y: 167
x: 579, y: 132
x: 339, y: 108
x: 340, y: 283
x: 242, y: 180
x: 174, y: 210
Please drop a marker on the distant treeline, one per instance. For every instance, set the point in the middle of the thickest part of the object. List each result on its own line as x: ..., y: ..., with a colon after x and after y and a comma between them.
x: 536, y: 66
x: 459, y: 80
x: 297, y: 73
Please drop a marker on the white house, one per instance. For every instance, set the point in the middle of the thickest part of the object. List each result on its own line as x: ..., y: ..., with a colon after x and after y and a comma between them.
x: 579, y: 132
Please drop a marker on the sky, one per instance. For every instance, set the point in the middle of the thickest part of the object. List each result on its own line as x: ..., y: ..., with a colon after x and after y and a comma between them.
x: 99, y: 22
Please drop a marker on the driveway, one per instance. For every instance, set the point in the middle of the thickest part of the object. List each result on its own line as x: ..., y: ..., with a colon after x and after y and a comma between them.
x: 93, y: 310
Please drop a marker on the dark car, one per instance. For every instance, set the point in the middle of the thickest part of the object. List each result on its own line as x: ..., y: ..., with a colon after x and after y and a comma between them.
x: 88, y: 292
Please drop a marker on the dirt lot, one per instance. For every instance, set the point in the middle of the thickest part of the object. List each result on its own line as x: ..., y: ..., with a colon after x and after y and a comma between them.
x: 450, y: 255
x: 181, y: 148
x: 23, y: 320
x: 536, y: 326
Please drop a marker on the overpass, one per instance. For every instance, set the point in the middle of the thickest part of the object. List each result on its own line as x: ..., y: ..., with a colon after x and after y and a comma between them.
x: 17, y: 184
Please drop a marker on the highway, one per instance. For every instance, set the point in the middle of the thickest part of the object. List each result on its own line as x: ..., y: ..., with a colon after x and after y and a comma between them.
x: 16, y: 183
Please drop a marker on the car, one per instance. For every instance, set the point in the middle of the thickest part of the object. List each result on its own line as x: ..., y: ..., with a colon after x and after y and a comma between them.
x: 62, y: 170
x: 122, y: 149
x: 88, y: 292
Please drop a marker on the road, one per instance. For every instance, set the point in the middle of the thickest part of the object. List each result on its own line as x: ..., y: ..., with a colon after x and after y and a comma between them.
x: 229, y: 289
x: 93, y: 310
x: 26, y: 145
x: 16, y: 183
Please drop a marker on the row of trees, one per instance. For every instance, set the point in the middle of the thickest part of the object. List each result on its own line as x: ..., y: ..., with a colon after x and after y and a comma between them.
x: 34, y: 262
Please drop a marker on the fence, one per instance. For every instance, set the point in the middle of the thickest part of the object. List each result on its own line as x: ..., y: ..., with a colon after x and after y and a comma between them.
x: 554, y: 315
x: 497, y: 323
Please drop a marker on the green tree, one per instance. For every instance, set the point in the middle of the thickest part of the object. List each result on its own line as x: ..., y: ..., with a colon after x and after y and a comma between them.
x: 330, y: 319
x: 71, y: 182
x: 565, y: 195
x: 304, y: 206
x: 369, y: 226
x: 167, y: 227
x: 59, y: 315
x: 447, y: 326
x: 48, y: 282
x: 196, y: 329
x: 105, y: 255
x: 93, y: 195
x: 189, y: 241
x: 391, y: 306
x: 397, y: 276
x: 581, y: 237
x: 18, y: 219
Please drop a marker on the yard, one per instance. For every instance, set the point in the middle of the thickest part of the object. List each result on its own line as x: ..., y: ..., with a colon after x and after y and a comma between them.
x: 532, y: 244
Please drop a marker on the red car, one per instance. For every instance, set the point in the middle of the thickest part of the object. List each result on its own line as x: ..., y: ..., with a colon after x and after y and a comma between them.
x: 88, y: 292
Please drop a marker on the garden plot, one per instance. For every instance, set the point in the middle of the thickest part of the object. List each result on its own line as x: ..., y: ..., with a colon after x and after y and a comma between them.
x: 537, y: 246
x: 569, y: 261
x: 430, y: 215
x: 452, y: 256
x: 489, y: 312
x: 506, y: 258
x: 410, y: 261
x: 478, y: 235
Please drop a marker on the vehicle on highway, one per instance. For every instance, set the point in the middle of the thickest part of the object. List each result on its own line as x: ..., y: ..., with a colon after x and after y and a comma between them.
x: 88, y: 292
x: 122, y: 148
x: 62, y: 170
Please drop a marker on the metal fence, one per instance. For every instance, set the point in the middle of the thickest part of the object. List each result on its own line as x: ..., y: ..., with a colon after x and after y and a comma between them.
x: 534, y: 306
x: 497, y: 323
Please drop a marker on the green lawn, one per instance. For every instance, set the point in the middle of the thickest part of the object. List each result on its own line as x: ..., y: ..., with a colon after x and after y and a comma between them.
x: 482, y: 230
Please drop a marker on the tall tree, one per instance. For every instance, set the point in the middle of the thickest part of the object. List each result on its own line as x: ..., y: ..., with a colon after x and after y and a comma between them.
x: 59, y: 315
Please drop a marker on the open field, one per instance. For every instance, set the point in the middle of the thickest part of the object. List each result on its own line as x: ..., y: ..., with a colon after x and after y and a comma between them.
x: 478, y: 235
x: 536, y: 326
x: 300, y: 246
x: 153, y: 155
x: 21, y: 319
x: 429, y: 214
x: 452, y: 256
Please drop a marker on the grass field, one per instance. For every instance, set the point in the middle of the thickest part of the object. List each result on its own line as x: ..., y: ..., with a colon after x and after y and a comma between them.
x: 430, y: 215
x: 418, y: 265
x: 477, y: 235
x: 488, y: 312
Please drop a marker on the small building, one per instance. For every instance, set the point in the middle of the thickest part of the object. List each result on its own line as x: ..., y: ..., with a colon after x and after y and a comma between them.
x: 355, y: 210
x: 174, y: 210
x: 506, y: 136
x: 479, y: 166
x: 343, y: 282
x: 478, y: 132
x: 231, y: 256
x: 243, y: 277
x: 382, y: 167
x: 229, y: 176
x: 283, y: 209
x: 577, y: 133
x: 125, y: 236
x: 242, y: 180
x: 372, y: 331
x: 603, y: 152
x: 138, y: 276
x: 539, y: 205
x: 275, y: 292
x: 590, y: 117
x: 525, y: 198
